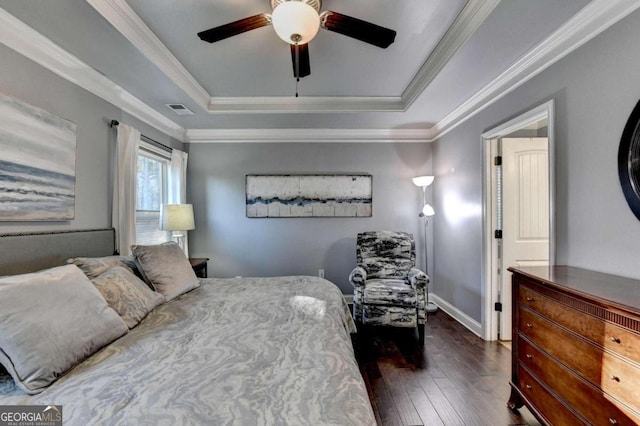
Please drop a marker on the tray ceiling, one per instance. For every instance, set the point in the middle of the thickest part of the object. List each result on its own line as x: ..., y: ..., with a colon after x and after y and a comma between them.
x: 450, y: 58
x: 258, y: 63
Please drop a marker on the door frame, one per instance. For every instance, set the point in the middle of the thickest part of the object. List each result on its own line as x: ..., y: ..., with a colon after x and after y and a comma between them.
x: 490, y: 277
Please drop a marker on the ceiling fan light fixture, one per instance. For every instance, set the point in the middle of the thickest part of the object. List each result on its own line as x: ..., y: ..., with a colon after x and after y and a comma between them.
x: 295, y: 22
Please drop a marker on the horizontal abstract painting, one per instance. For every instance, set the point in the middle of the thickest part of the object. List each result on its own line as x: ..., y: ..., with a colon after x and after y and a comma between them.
x: 308, y: 195
x: 37, y: 163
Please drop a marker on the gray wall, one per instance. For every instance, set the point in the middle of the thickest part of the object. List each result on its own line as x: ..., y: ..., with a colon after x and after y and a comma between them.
x: 33, y: 84
x: 267, y: 247
x: 595, y: 88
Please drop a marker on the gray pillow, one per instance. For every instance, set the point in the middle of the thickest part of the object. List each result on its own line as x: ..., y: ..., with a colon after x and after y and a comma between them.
x: 131, y: 298
x: 167, y: 268
x: 95, y: 266
x: 51, y: 320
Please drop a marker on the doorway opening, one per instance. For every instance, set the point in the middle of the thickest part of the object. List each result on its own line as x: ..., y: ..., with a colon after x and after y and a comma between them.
x: 518, y: 209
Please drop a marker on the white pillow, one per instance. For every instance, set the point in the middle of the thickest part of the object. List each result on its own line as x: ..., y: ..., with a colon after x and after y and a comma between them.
x: 51, y: 320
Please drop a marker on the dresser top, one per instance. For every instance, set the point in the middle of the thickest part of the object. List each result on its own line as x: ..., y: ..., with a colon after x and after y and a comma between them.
x: 612, y: 290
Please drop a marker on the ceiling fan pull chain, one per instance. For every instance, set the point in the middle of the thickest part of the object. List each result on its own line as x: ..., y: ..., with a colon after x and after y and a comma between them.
x: 297, y: 50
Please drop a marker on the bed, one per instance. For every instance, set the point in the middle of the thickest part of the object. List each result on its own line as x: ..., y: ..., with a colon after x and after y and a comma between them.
x: 273, y: 351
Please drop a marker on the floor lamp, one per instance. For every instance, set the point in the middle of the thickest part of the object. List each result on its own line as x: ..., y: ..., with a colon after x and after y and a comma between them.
x: 426, y: 213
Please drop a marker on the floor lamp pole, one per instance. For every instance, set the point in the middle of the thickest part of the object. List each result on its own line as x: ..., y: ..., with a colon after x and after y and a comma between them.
x: 431, y: 307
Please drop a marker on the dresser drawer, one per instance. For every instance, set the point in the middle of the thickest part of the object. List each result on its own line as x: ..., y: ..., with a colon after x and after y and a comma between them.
x: 555, y: 412
x: 585, y: 398
x: 603, y: 333
x: 614, y: 375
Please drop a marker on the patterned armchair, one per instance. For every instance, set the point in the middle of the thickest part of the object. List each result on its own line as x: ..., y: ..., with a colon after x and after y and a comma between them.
x: 388, y: 290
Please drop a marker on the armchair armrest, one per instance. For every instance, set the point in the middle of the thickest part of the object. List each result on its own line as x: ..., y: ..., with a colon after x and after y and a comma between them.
x: 358, y: 276
x: 418, y: 279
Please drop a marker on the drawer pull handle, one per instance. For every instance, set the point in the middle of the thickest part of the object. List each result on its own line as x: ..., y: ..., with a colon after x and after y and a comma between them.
x: 615, y: 340
x: 528, y: 386
x: 615, y: 378
x: 529, y: 299
x: 529, y: 325
x: 613, y: 421
x: 529, y: 356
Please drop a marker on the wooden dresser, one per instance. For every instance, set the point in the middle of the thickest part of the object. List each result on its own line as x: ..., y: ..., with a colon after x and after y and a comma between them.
x: 576, y: 346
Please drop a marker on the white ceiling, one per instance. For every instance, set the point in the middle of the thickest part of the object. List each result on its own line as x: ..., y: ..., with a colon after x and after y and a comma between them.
x: 448, y: 56
x: 258, y: 63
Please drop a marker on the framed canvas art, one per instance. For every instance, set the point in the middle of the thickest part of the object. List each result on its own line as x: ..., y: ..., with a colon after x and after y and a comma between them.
x: 37, y: 163
x: 308, y: 195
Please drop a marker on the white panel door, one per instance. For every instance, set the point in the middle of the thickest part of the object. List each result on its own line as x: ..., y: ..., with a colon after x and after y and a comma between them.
x: 525, y: 213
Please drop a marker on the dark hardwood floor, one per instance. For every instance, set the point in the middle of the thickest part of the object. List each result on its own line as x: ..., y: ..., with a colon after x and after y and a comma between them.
x: 456, y: 379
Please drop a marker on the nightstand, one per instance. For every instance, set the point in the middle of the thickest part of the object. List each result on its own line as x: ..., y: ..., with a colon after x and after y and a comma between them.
x: 199, y: 265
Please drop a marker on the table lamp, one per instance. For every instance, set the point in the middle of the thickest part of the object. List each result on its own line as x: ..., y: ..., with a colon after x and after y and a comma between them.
x: 177, y: 218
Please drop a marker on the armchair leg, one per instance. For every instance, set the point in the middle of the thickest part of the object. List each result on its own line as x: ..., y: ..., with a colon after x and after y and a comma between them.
x: 421, y: 334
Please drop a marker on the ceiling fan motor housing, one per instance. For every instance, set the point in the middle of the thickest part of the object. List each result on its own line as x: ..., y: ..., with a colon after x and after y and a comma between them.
x: 316, y: 4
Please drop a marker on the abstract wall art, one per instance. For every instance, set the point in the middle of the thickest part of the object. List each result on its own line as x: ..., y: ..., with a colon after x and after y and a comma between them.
x: 37, y: 163
x: 309, y: 195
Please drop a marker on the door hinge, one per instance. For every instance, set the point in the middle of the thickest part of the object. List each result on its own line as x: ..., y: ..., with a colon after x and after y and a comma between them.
x: 497, y: 234
x: 498, y: 307
x: 497, y: 161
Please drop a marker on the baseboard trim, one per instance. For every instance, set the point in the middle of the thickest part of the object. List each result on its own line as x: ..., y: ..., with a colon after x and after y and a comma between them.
x: 348, y: 298
x: 474, y: 326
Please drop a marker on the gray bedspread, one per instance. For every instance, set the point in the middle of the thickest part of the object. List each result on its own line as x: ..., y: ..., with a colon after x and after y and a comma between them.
x: 250, y: 351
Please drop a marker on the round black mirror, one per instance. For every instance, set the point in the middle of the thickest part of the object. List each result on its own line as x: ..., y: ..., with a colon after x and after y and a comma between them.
x: 629, y: 161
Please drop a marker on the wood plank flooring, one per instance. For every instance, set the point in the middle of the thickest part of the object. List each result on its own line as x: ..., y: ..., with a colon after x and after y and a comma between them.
x: 456, y: 379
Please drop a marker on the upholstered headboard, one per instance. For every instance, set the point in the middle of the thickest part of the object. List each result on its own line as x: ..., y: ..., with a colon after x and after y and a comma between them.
x: 28, y: 252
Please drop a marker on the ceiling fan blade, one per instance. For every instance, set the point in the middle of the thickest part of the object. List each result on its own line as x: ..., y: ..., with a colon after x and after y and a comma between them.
x: 303, y: 67
x: 357, y: 28
x: 234, y: 28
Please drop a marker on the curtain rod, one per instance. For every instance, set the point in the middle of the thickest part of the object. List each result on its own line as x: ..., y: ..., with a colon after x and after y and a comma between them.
x: 115, y: 123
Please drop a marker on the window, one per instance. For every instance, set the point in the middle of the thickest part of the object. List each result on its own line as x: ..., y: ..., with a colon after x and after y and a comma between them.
x: 151, y: 193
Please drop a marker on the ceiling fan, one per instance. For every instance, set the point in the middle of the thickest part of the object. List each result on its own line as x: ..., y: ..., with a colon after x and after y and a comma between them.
x: 297, y: 22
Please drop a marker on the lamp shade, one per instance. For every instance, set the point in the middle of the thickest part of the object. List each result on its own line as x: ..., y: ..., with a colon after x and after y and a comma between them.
x: 427, y: 210
x: 295, y: 22
x: 177, y: 217
x: 423, y: 181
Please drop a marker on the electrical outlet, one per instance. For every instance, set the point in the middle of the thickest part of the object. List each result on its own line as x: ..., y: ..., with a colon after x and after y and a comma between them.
x: 321, y: 273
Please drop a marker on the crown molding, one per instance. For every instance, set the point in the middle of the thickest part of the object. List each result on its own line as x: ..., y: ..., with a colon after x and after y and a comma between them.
x: 307, y: 135
x: 33, y: 45
x: 470, y: 18
x: 593, y: 19
x: 18, y: 36
x: 590, y: 21
x: 306, y: 104
x: 123, y: 18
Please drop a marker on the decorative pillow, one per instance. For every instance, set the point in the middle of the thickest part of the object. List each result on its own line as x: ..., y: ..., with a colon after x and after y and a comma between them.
x: 131, y: 298
x: 96, y: 266
x: 51, y: 320
x: 167, y: 268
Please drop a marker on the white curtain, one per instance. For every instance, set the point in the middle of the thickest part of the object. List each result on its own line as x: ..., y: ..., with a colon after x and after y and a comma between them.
x: 178, y: 184
x: 123, y: 215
